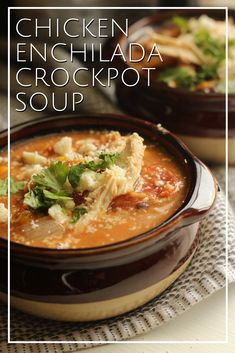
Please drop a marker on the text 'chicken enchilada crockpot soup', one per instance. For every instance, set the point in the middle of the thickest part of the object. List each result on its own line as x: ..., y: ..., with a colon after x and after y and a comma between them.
x: 88, y: 189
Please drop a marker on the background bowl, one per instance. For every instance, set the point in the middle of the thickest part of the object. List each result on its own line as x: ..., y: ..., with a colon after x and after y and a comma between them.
x: 197, y: 117
x: 97, y: 283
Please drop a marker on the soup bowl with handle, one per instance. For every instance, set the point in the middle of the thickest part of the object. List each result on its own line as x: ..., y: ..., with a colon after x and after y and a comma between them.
x: 106, y: 281
x: 198, y: 118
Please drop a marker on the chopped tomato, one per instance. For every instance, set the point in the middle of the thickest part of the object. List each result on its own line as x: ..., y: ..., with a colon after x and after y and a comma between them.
x: 48, y: 152
x: 158, y: 182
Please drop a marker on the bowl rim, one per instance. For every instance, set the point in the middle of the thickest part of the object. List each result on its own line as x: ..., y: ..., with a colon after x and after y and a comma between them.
x: 158, y: 18
x: 163, y: 228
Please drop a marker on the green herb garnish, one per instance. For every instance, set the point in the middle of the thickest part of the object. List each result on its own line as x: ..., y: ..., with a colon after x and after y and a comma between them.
x: 231, y: 42
x: 105, y: 161
x: 179, y: 75
x: 41, y: 199
x: 210, y: 46
x: 205, y: 73
x: 77, y: 213
x: 35, y: 199
x: 75, y: 173
x: 15, y: 186
x: 52, y: 178
x: 184, y: 79
x: 181, y: 22
x: 3, y: 187
x: 48, y: 187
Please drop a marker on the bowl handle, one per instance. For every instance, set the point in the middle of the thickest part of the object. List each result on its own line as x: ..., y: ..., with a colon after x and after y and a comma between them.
x: 204, y: 195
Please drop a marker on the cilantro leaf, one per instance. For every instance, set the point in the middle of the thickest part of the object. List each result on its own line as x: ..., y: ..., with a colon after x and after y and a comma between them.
x: 53, y: 177
x: 15, y: 186
x: 181, y: 22
x: 108, y: 159
x: 209, y: 45
x: 77, y: 213
x: 56, y: 196
x: 184, y: 79
x: 75, y: 173
x: 40, y: 199
x: 105, y: 161
x: 60, y: 171
x: 48, y: 187
x: 231, y: 42
x: 34, y: 199
x: 3, y: 187
x: 206, y: 73
x: 178, y: 74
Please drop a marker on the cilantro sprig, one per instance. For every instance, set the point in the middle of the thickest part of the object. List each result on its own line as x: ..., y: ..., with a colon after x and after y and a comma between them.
x: 105, y: 161
x: 179, y: 75
x: 15, y: 186
x: 48, y: 186
x: 184, y: 79
x: 53, y: 177
x: 181, y: 22
x: 209, y: 45
x: 3, y: 187
x: 78, y: 212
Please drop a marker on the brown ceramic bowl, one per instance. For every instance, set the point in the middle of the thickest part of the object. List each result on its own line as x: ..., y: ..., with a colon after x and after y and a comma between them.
x: 97, y: 283
x: 197, y: 117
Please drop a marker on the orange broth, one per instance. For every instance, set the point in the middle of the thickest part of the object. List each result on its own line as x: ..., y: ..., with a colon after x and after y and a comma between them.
x: 160, y: 191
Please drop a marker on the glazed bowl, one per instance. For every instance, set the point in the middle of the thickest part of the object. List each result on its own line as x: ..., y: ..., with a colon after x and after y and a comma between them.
x: 198, y: 118
x: 102, y: 282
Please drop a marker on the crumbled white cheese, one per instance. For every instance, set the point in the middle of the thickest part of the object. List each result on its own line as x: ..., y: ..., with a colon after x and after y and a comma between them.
x: 112, y: 182
x: 16, y: 163
x: 63, y: 245
x: 87, y: 146
x: 69, y: 204
x: 34, y: 224
x: 3, y: 160
x: 71, y: 156
x: 56, y: 212
x: 33, y: 158
x: 159, y: 182
x: 89, y: 181
x: 91, y: 229
x: 28, y: 171
x: 63, y: 146
x: 3, y: 213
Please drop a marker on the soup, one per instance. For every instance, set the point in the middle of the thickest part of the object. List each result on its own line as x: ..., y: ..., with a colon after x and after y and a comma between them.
x: 88, y: 189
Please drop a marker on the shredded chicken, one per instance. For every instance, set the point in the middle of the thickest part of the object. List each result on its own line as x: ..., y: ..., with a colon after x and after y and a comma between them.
x: 118, y: 180
x: 180, y: 48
